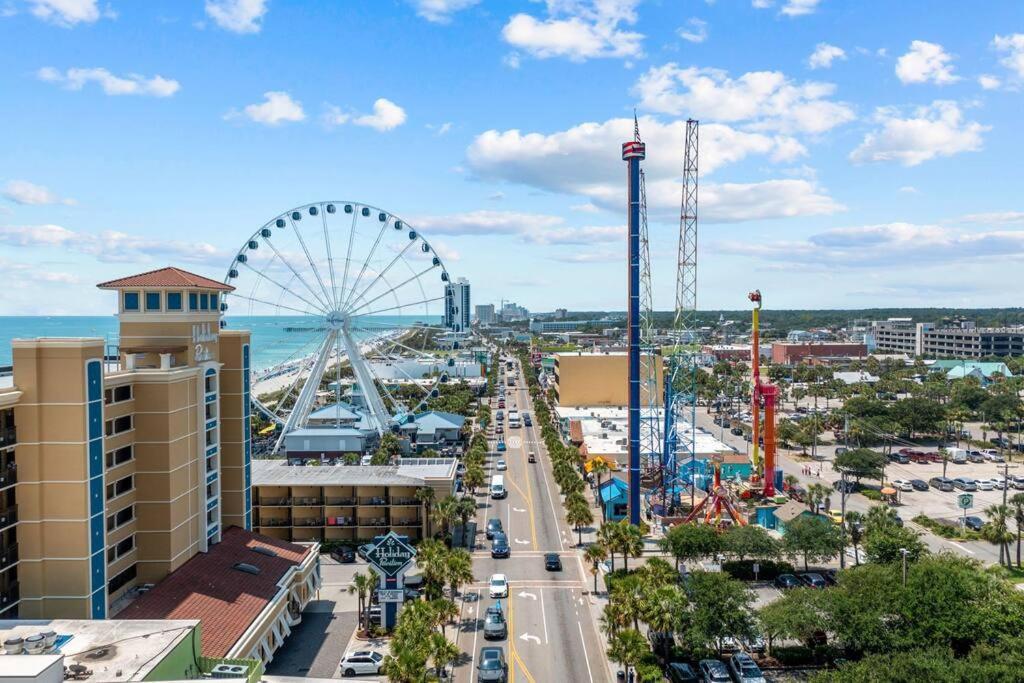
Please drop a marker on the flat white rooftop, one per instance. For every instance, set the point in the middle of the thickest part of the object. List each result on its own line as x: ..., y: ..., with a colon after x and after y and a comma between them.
x: 605, y: 430
x: 412, y: 472
x: 115, y: 650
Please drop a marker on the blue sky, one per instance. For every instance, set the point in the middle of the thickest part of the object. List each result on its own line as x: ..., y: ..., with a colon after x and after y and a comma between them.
x: 853, y: 154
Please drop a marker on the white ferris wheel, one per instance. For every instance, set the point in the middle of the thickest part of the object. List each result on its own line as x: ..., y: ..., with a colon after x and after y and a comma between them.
x: 358, y: 299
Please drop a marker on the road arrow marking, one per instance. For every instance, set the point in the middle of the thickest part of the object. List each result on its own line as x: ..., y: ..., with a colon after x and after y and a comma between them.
x: 527, y: 637
x: 519, y: 509
x: 522, y: 542
x: 524, y: 594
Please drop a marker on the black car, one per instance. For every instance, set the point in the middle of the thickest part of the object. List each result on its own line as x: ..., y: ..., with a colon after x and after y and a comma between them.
x: 493, y: 527
x: 552, y: 562
x: 785, y: 581
x: 343, y: 554
x: 680, y: 672
x: 500, y: 547
x: 813, y: 580
x: 830, y: 576
x: 974, y: 523
x: 527, y: 420
x: 919, y: 484
x: 736, y: 431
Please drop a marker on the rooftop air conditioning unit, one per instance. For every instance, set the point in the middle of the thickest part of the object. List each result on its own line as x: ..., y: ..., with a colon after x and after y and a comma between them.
x: 14, y: 646
x: 34, y: 645
x: 228, y: 671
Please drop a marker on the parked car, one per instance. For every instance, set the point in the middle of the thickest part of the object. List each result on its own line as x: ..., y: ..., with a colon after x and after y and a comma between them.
x: 974, y: 523
x: 965, y: 484
x: 919, y: 484
x: 493, y: 527
x: 902, y: 484
x: 1017, y: 481
x: 813, y: 580
x: 744, y: 670
x: 495, y: 626
x: 552, y: 562
x: 681, y: 672
x: 998, y: 482
x: 899, y: 458
x: 942, y: 483
x: 984, y: 484
x: 975, y: 456
x: 498, y: 586
x: 500, y: 547
x: 343, y: 554
x: 492, y: 666
x: 836, y: 516
x: 784, y: 581
x: 714, y: 671
x: 361, y: 662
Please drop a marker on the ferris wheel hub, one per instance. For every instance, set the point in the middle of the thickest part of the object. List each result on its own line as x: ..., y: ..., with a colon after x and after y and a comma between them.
x: 336, y: 320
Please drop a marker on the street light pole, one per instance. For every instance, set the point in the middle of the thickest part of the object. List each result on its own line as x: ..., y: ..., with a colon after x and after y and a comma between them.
x: 904, y: 552
x: 1006, y: 478
x: 842, y: 505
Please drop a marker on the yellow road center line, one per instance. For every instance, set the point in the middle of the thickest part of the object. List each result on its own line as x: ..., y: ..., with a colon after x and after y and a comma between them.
x: 514, y: 653
x: 529, y: 506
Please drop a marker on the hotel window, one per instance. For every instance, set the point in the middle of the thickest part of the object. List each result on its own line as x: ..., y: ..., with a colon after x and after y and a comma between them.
x: 122, y: 580
x: 204, y: 302
x: 213, y: 302
x: 116, y: 552
x: 211, y: 411
x: 117, y: 394
x: 131, y: 301
x: 120, y: 518
x: 211, y: 383
x: 118, y: 425
x: 120, y: 487
x: 211, y: 437
x: 152, y: 301
x: 120, y: 456
x: 193, y: 301
x: 173, y: 301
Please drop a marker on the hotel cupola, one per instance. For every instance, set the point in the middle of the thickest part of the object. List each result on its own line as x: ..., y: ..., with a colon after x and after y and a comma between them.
x: 169, y: 318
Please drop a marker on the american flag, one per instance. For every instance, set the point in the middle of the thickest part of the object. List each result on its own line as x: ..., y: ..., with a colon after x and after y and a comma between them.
x: 634, y: 148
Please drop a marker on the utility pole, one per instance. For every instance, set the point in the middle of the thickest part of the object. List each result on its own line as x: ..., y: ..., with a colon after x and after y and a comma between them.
x: 842, y: 505
x: 1006, y: 478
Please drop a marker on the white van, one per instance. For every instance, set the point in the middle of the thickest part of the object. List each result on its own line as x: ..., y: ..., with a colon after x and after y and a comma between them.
x: 958, y: 455
x: 498, y: 487
x: 513, y: 419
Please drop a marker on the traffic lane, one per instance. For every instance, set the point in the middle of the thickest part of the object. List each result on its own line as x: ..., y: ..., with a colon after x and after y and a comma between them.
x: 525, y: 565
x: 547, y: 502
x: 554, y: 637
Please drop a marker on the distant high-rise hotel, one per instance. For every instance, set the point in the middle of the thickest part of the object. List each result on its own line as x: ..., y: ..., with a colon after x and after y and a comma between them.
x: 457, y: 306
x: 485, y: 314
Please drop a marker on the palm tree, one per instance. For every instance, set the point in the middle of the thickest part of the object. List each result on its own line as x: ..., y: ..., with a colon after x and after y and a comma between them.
x: 607, y: 536
x: 361, y: 585
x: 595, y: 554
x: 790, y: 482
x: 855, y: 527
x: 631, y: 542
x: 1017, y: 501
x: 425, y: 495
x: 474, y: 477
x: 579, y: 514
x: 442, y: 651
x: 944, y: 454
x: 446, y: 511
x: 816, y: 494
x: 997, y: 530
x: 465, y: 509
x: 431, y: 557
x: 628, y: 648
x: 599, y: 467
x: 458, y: 570
x: 662, y: 607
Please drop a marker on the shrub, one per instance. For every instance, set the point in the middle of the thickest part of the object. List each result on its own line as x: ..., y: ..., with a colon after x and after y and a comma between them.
x: 871, y: 494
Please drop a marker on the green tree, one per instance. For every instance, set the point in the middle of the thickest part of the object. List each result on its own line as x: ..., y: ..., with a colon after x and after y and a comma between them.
x: 750, y: 541
x: 579, y: 515
x: 457, y: 570
x: 861, y: 463
x: 1017, y: 505
x: 720, y: 607
x: 997, y: 530
x: 691, y: 542
x: 813, y: 539
x: 799, y: 615
x: 598, y: 468
x: 885, y: 544
x: 628, y: 648
x: 362, y: 584
x: 854, y: 522
x: 595, y: 554
x: 425, y: 495
x: 446, y: 511
x: 629, y: 542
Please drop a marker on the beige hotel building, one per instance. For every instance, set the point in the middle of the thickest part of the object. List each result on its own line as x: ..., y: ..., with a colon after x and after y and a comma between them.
x: 117, y: 466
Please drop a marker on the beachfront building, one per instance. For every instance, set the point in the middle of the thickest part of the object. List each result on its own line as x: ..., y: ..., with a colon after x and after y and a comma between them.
x: 130, y: 460
x: 332, y: 503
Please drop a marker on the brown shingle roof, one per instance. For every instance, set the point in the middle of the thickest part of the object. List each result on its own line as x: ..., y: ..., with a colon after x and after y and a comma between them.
x: 226, y: 600
x: 166, y: 277
x: 790, y: 511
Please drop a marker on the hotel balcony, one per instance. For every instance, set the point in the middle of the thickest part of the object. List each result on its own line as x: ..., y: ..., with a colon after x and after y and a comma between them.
x: 340, y: 502
x: 8, y: 475
x: 9, y: 595
x: 274, y: 521
x: 8, y: 437
x: 8, y: 516
x: 8, y: 556
x: 308, y: 521
x: 274, y: 502
x: 374, y: 500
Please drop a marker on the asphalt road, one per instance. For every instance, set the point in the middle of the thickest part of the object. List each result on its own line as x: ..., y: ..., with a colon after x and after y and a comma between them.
x: 552, y: 633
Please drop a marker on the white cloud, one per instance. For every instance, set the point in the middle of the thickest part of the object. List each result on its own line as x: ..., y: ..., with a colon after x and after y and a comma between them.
x: 884, y: 244
x: 824, y: 54
x: 909, y: 189
x: 577, y: 30
x: 440, y: 11
x: 995, y: 218
x: 529, y: 227
x: 1012, y: 47
x: 66, y: 13
x: 792, y: 8
x: 594, y: 256
x: 132, y: 84
x: 766, y: 100
x: 237, y: 16
x: 278, y: 107
x: 29, y: 273
x: 444, y: 128
x: 989, y: 82
x: 511, y: 60
x: 112, y: 246
x: 577, y: 162
x: 386, y: 116
x: 30, y: 194
x: 931, y: 131
x: 926, y: 62
x: 695, y: 31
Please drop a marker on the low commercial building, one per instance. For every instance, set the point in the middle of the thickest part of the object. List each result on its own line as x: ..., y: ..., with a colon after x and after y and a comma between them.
x: 984, y: 372
x: 601, y: 379
x: 785, y: 353
x: 248, y: 591
x: 346, y: 503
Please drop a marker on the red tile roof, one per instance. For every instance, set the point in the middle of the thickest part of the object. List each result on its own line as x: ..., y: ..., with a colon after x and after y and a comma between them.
x: 575, y: 431
x: 226, y: 600
x: 166, y: 277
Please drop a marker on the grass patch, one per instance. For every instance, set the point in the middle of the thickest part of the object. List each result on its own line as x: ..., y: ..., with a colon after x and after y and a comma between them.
x: 1012, y: 574
x: 946, y: 531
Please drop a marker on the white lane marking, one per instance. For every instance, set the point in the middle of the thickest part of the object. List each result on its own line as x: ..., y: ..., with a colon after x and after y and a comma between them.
x: 472, y: 655
x: 519, y: 509
x: 966, y: 550
x: 551, y: 504
x: 524, y: 594
x: 521, y: 542
x: 586, y: 657
x: 528, y: 637
x: 544, y: 616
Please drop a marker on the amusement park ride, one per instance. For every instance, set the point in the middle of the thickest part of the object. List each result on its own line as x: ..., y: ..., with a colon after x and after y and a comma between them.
x: 662, y: 439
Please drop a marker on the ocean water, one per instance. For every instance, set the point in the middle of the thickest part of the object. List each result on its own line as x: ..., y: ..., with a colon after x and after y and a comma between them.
x: 275, y: 339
